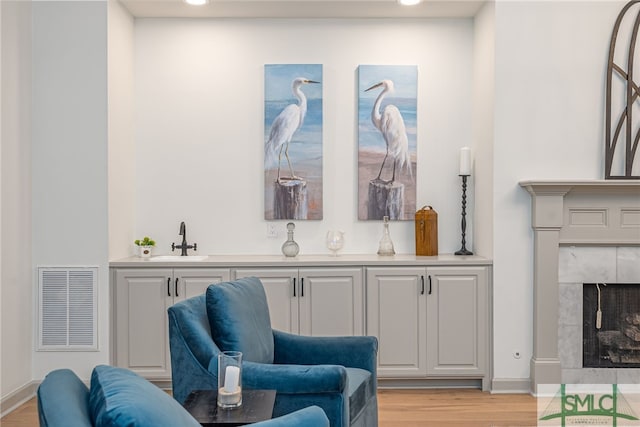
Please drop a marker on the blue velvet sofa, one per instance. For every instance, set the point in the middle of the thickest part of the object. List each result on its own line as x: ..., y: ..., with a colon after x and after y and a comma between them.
x: 337, y: 374
x: 120, y: 398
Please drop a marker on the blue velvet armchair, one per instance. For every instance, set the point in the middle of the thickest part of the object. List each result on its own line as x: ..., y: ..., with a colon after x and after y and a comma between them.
x: 337, y: 374
x: 121, y: 398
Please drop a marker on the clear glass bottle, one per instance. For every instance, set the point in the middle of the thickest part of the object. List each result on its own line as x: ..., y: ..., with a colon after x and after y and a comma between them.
x: 290, y: 248
x: 386, y: 245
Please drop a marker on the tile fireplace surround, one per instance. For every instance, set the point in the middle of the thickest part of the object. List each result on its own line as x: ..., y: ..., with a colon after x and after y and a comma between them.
x: 573, y: 222
x: 590, y: 264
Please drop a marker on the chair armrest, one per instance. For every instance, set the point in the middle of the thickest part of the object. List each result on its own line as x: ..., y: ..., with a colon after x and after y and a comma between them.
x: 191, y: 348
x: 63, y: 400
x: 189, y: 322
x: 290, y: 379
x: 350, y: 351
x: 311, y: 416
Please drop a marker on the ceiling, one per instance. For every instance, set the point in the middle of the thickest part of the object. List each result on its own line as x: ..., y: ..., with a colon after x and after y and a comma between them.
x: 303, y: 9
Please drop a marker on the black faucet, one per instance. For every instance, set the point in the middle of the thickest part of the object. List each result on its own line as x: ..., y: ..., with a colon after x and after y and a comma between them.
x: 184, y: 246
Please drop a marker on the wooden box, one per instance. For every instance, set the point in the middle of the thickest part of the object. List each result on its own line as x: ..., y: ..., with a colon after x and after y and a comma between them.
x: 426, y: 231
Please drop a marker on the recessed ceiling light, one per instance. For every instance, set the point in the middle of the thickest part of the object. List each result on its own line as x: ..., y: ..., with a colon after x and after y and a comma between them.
x: 196, y: 2
x: 409, y: 2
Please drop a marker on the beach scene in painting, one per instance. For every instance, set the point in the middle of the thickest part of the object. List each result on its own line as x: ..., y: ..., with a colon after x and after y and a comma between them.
x: 387, y: 140
x: 293, y: 141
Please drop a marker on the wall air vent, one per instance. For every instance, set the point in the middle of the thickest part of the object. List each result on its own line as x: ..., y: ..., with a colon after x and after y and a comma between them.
x: 67, y: 308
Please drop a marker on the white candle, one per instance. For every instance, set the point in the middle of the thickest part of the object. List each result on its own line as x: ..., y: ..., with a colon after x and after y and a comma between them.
x: 465, y: 161
x: 231, y: 377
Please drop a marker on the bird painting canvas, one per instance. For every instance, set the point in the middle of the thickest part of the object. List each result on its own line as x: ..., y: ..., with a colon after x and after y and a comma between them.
x: 387, y: 140
x: 293, y: 141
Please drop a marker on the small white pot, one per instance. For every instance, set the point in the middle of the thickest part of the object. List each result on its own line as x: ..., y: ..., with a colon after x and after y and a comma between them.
x: 145, y: 251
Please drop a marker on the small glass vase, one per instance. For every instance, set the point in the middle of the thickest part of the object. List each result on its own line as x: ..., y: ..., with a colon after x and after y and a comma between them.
x: 290, y: 248
x: 386, y: 244
x: 335, y: 241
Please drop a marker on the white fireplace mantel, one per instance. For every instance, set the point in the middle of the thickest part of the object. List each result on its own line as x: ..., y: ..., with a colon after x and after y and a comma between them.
x: 586, y: 212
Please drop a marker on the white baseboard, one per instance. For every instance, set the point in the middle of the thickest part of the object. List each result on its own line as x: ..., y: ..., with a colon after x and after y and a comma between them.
x: 16, y: 398
x: 511, y: 385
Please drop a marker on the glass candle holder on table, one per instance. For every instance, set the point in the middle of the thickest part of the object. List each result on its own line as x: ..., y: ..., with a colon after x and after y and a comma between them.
x: 229, y: 379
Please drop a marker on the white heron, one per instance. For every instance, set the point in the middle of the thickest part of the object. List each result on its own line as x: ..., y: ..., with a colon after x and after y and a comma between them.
x: 286, y: 124
x: 391, y: 125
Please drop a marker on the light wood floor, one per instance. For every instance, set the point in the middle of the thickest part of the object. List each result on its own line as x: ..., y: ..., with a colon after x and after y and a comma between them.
x: 406, y: 408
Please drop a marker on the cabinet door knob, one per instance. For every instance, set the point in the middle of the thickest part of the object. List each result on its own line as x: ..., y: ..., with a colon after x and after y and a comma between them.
x: 429, y: 284
x: 302, y: 287
x: 168, y: 286
x: 422, y: 288
x: 176, y: 287
x: 294, y: 286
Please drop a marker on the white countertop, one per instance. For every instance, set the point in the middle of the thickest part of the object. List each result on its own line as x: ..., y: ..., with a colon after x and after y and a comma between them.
x: 306, y: 261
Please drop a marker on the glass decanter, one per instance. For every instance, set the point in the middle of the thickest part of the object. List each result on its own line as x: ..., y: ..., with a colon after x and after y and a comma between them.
x: 290, y: 248
x: 386, y: 245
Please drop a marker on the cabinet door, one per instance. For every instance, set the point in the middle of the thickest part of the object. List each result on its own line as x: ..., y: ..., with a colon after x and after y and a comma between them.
x: 190, y: 282
x: 396, y: 304
x: 457, y: 321
x: 281, y: 287
x: 142, y: 297
x: 331, y: 301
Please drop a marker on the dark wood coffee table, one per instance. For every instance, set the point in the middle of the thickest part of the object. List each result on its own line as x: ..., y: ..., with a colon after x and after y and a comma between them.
x: 257, y: 405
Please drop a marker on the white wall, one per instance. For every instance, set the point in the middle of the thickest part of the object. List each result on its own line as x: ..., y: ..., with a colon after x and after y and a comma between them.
x: 549, y: 123
x: 16, y: 286
x: 199, y: 88
x: 483, y: 126
x: 121, y: 116
x: 69, y: 158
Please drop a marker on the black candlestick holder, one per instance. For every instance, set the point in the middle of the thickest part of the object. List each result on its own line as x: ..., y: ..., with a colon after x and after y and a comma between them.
x: 463, y: 250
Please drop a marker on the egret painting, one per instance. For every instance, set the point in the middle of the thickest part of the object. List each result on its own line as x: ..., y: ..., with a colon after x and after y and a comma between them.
x: 387, y: 135
x: 293, y: 141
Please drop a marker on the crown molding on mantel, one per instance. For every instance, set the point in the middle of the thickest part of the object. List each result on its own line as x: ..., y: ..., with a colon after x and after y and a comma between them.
x: 548, y: 184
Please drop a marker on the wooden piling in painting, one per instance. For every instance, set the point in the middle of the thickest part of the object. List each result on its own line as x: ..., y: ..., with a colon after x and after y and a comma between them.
x: 290, y: 199
x: 385, y: 199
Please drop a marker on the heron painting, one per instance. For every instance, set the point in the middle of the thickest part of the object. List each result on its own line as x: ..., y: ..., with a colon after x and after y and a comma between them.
x: 387, y: 135
x: 293, y: 141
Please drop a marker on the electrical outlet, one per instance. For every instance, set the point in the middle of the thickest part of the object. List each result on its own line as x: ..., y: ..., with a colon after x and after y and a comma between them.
x: 517, y: 354
x: 272, y: 231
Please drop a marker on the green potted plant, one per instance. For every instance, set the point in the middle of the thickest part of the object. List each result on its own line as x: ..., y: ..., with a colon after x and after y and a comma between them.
x: 145, y: 246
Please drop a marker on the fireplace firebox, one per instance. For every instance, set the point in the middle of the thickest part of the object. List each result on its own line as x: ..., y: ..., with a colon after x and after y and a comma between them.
x: 611, y: 321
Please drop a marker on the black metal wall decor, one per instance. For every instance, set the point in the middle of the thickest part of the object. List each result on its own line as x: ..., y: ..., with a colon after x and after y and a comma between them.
x: 631, y: 96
